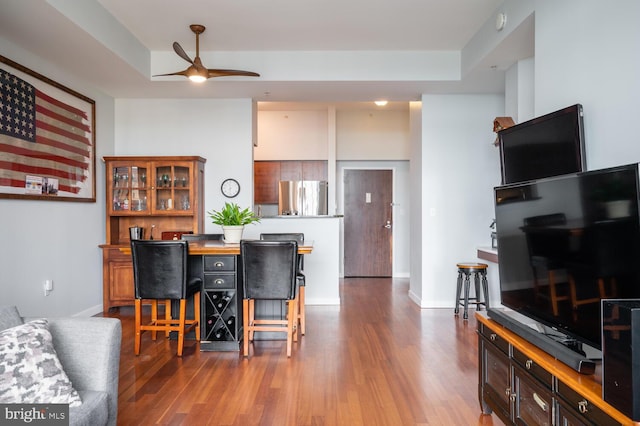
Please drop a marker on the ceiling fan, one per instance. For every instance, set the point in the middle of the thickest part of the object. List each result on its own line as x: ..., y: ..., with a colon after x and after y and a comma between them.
x: 197, y: 72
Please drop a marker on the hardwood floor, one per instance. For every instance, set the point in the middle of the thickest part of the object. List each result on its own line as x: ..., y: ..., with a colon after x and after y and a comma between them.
x: 375, y: 360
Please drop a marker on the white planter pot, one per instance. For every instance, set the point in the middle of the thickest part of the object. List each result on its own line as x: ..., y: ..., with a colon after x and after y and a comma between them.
x: 232, y: 234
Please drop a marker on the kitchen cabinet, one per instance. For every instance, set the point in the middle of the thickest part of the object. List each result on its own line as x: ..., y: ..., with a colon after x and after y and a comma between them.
x: 523, y: 385
x: 159, y: 194
x: 267, y: 174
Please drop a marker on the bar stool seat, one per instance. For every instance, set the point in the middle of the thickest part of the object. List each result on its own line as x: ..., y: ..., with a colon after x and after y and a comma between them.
x: 479, y: 272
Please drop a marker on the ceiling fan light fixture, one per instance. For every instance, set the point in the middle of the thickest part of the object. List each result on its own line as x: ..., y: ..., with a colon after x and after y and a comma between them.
x: 197, y: 75
x: 197, y: 78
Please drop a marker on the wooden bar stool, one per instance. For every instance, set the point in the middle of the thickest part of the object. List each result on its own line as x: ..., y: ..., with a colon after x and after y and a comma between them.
x: 479, y: 272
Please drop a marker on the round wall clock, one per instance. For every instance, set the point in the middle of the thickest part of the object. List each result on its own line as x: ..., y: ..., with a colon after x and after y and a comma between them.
x: 230, y: 188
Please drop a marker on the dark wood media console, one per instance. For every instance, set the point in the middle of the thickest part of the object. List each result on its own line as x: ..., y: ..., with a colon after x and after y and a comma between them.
x: 522, y: 384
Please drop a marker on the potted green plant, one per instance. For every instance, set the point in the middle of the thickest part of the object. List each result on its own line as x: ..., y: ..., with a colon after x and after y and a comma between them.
x: 232, y: 219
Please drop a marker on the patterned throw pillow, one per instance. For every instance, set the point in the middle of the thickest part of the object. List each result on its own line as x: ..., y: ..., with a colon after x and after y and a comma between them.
x: 30, y: 371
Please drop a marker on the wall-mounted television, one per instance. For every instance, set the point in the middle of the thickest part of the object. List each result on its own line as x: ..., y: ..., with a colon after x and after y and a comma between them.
x: 567, y: 242
x: 549, y: 145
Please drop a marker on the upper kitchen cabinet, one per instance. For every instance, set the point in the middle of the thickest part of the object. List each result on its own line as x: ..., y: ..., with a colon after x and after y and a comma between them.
x: 267, y: 174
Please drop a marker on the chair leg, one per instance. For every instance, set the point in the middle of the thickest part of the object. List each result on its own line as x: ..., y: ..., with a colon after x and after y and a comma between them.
x: 167, y: 315
x: 245, y: 326
x: 154, y: 318
x: 252, y: 318
x: 301, y: 311
x: 296, y: 316
x: 183, y: 314
x: 138, y: 318
x: 196, y: 313
x: 291, y: 321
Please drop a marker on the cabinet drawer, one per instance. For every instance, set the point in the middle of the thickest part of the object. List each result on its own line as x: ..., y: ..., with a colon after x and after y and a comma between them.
x: 494, y: 339
x: 534, y: 405
x: 219, y: 263
x: 219, y: 281
x: 532, y: 368
x: 581, y: 407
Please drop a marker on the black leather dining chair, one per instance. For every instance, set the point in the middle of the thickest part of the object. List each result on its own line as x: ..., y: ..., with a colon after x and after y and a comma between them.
x: 161, y: 273
x: 299, y: 238
x: 269, y: 273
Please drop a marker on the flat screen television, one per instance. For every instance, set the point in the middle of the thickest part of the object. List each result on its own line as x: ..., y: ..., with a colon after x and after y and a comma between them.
x: 567, y: 242
x: 549, y: 145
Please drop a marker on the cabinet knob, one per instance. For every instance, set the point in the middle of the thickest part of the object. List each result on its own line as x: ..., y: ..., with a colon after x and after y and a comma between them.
x: 219, y: 281
x: 219, y: 264
x: 528, y: 364
x: 507, y: 392
x: 583, y: 405
x: 493, y: 337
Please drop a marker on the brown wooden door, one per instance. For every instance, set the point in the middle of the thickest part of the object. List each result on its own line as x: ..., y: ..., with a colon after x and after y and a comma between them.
x: 368, y: 235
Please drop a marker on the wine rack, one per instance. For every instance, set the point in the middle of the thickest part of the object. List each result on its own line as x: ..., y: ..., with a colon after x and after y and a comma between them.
x: 221, y: 304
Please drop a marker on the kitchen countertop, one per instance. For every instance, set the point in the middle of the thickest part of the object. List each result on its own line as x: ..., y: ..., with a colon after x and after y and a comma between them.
x: 488, y: 253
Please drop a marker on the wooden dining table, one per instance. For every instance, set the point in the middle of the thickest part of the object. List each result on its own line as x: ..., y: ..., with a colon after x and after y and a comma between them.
x: 219, y: 266
x: 212, y: 247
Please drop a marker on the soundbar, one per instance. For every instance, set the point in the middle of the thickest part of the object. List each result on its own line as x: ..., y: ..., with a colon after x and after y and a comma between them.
x: 556, y: 349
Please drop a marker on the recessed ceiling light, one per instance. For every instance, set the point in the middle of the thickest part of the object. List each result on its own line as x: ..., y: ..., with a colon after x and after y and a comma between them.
x: 380, y: 103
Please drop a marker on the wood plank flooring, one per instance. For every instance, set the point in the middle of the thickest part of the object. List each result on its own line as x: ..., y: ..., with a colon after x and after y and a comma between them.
x: 375, y: 360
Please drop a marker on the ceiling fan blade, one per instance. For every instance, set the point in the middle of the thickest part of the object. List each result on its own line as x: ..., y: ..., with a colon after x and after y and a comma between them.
x: 184, y: 73
x: 180, y: 51
x: 225, y: 73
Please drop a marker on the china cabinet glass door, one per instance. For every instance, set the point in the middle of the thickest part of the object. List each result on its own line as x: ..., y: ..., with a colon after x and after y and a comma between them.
x: 129, y: 188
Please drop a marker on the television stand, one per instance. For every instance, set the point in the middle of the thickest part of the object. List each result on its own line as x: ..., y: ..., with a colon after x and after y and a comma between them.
x: 522, y: 384
x: 554, y: 348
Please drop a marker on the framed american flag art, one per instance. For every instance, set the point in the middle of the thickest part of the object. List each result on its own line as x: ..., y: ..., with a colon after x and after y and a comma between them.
x: 47, y: 138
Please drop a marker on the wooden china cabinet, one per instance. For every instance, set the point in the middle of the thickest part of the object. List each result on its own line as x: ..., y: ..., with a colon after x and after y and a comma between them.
x: 159, y: 194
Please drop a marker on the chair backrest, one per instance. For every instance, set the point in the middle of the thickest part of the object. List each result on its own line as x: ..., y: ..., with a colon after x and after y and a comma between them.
x: 160, y: 268
x: 269, y: 269
x: 295, y: 236
x: 199, y: 237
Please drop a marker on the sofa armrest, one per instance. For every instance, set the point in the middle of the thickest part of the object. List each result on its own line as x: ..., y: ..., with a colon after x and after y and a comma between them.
x: 89, y: 350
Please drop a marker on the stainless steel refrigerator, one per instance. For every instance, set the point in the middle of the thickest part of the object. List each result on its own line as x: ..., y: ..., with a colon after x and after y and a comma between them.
x: 302, y: 198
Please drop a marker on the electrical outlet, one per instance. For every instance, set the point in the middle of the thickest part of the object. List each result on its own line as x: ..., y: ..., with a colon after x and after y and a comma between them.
x: 48, y: 287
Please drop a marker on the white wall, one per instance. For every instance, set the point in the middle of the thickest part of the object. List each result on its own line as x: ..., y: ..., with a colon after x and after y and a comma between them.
x: 292, y: 135
x: 460, y: 167
x: 372, y: 134
x: 519, y: 91
x: 53, y: 239
x: 218, y: 130
x: 588, y: 52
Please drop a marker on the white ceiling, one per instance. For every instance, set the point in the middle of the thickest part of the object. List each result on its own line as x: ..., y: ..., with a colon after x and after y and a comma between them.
x: 116, y: 45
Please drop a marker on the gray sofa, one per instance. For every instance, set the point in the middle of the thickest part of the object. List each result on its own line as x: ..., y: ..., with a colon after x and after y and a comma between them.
x: 89, y: 351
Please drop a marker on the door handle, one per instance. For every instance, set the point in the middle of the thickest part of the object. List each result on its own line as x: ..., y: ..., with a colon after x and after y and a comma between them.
x: 388, y: 225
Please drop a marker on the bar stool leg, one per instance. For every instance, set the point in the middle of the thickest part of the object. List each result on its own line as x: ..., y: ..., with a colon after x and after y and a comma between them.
x: 467, y: 284
x: 485, y: 289
x: 456, y: 311
x: 476, y: 283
